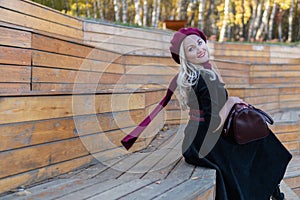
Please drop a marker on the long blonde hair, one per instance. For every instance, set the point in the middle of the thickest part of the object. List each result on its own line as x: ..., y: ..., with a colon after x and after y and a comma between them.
x: 188, y: 76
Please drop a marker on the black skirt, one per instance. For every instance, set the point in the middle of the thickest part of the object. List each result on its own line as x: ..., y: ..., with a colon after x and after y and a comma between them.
x: 244, y: 172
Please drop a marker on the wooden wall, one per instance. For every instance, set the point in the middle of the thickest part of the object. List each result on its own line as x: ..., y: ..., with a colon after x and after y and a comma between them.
x: 255, y: 53
x: 64, y: 102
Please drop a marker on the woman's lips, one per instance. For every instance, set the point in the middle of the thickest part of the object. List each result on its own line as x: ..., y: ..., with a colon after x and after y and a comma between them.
x: 201, y: 55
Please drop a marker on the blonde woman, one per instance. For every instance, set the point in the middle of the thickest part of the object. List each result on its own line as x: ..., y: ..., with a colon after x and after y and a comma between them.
x: 244, y: 172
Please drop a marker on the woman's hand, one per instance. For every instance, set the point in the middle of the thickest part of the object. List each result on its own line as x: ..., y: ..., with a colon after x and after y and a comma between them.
x: 226, y: 109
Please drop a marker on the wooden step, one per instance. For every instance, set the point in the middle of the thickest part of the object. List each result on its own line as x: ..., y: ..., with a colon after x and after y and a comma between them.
x: 292, y: 175
x: 120, y: 178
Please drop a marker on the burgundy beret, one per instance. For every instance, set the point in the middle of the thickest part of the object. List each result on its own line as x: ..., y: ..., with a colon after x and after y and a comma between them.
x: 178, y: 38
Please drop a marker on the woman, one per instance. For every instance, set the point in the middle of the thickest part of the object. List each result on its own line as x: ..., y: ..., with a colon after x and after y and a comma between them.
x: 251, y: 171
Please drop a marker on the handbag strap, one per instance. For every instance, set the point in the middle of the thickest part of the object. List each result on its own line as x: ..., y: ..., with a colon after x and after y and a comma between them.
x: 265, y: 115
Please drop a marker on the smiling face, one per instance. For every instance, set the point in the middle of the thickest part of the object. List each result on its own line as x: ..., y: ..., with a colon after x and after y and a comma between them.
x: 195, y: 49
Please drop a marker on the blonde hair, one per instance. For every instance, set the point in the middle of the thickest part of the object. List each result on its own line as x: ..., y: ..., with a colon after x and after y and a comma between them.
x: 188, y: 76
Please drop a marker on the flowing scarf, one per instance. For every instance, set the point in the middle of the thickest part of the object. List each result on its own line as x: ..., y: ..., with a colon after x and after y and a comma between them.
x: 130, y: 139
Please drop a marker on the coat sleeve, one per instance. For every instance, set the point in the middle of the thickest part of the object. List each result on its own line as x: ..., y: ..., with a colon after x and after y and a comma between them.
x: 211, y: 96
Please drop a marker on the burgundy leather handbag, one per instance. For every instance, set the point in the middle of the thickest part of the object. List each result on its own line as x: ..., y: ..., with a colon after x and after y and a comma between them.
x: 245, y: 123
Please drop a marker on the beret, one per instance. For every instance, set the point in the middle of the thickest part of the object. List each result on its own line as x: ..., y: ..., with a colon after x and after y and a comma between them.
x: 179, y: 37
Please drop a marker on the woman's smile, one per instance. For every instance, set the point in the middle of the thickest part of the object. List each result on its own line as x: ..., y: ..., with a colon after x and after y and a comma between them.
x: 202, y: 54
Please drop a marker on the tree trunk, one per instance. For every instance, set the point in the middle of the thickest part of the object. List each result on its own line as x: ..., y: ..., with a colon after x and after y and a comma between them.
x: 157, y: 12
x: 280, y: 25
x: 100, y: 10
x: 88, y: 14
x: 257, y: 18
x: 182, y: 9
x: 290, y: 34
x: 201, y: 14
x: 211, y: 17
x: 117, y: 10
x: 253, y: 19
x: 271, y: 21
x: 145, y: 13
x: 77, y: 9
x: 95, y: 10
x: 137, y: 9
x: 263, y: 26
x: 66, y: 7
x: 192, y: 8
x: 124, y: 11
x: 154, y: 13
x: 225, y: 21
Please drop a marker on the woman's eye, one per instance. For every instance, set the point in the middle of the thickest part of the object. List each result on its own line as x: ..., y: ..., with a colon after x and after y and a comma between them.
x: 191, y: 49
x: 199, y: 42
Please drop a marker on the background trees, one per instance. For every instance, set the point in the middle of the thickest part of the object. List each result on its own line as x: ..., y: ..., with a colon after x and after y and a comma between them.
x: 233, y: 20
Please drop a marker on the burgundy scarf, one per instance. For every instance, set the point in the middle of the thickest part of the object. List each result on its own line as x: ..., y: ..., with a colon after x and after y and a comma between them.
x: 130, y: 139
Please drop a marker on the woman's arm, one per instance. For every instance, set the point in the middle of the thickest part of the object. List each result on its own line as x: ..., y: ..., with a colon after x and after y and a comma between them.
x: 226, y: 109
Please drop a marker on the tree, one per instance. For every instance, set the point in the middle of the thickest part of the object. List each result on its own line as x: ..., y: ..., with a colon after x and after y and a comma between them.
x: 88, y: 14
x: 291, y: 21
x: 264, y: 24
x: 117, y: 10
x: 137, y: 8
x: 271, y: 21
x: 225, y: 21
x: 201, y: 14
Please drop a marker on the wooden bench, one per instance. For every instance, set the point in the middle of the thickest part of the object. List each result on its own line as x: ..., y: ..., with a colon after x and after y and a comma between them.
x: 157, y: 172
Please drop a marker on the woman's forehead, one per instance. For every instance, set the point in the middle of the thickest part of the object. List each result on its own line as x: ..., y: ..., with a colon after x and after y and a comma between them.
x: 191, y: 39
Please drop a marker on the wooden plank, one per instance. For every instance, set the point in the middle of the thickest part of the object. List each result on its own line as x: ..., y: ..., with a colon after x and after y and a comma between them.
x: 14, y: 88
x: 148, y: 68
x: 153, y: 190
x: 52, y: 75
x: 38, y: 132
x: 180, y: 192
x: 17, y: 74
x: 124, y: 39
x: 242, y: 47
x: 15, y: 56
x: 69, y: 62
x: 40, y: 11
x: 11, y: 37
x: 291, y: 81
x: 92, y: 190
x: 37, y: 108
x: 41, y: 174
x: 274, y: 67
x: 241, y: 53
x: 137, y: 60
x: 39, y: 24
x: 95, y: 27
x: 244, y: 59
x: 123, y: 189
x: 289, y: 136
x: 153, y: 97
x: 70, y: 48
x: 148, y: 164
x: 26, y: 159
x: 281, y: 74
x: 42, y: 187
x: 182, y: 171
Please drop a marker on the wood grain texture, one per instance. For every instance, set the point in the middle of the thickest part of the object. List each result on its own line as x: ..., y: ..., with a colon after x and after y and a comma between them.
x: 15, y: 56
x: 39, y: 24
x: 17, y: 38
